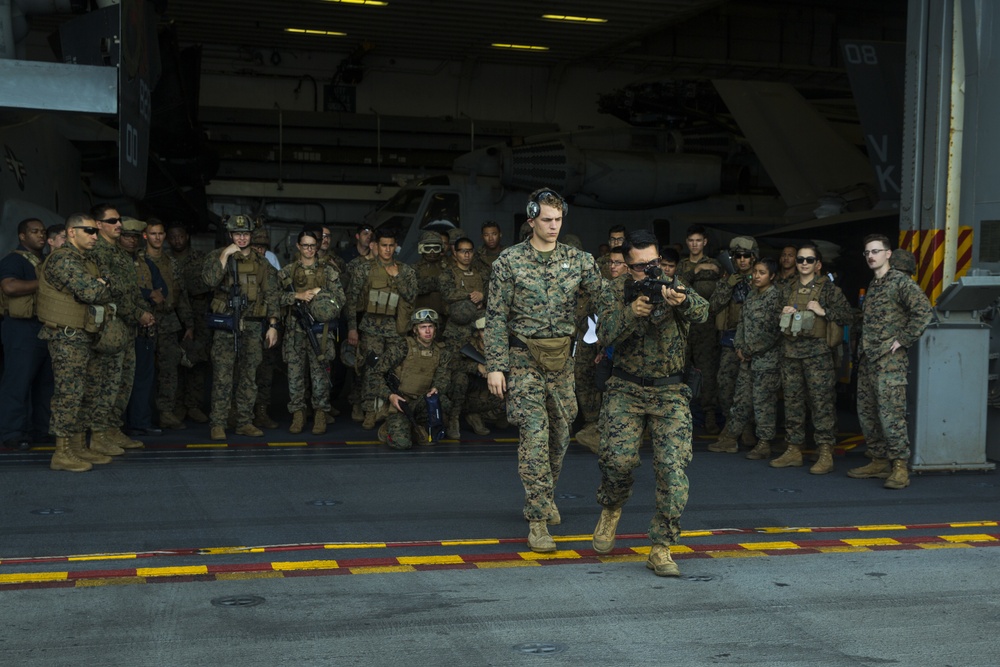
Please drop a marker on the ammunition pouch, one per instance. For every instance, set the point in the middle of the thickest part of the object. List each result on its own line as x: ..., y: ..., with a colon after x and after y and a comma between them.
x: 113, y: 335
x: 550, y: 353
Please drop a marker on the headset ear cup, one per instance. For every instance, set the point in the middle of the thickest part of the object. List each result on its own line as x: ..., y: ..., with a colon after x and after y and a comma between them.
x: 533, y: 209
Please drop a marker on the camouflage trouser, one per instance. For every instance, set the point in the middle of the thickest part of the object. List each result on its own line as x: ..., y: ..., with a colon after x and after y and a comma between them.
x: 224, y: 364
x: 882, y: 405
x: 703, y: 352
x: 810, y: 381
x: 454, y: 339
x: 627, y: 410
x: 305, y: 370
x: 372, y: 381
x: 269, y: 360
x: 478, y: 399
x: 755, y: 399
x: 112, y: 379
x: 193, y: 380
x: 543, y: 406
x: 400, y: 430
x: 168, y: 361
x: 729, y: 368
x: 587, y: 396
x: 125, y: 389
x: 73, y: 367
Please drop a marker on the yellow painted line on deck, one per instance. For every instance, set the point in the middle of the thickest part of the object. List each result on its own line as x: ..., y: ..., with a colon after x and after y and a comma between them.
x: 969, y: 538
x: 531, y: 555
x: 763, y: 546
x: 736, y: 554
x: 497, y: 564
x: 28, y: 577
x: 208, y: 445
x: 362, y: 442
x: 218, y: 551
x: 355, y: 545
x: 286, y: 566
x: 974, y: 524
x: 871, y: 542
x: 288, y: 444
x: 945, y: 545
x: 886, y: 526
x: 467, y: 543
x: 842, y: 550
x: 382, y: 569
x: 102, y: 557
x: 453, y: 559
x: 171, y: 571
x: 116, y: 581
x: 240, y: 576
x: 779, y: 529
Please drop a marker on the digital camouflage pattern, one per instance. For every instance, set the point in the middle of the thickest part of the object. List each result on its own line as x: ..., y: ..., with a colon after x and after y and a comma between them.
x: 194, y: 379
x: 723, y: 303
x: 807, y: 369
x: 484, y: 258
x: 759, y: 379
x: 649, y: 347
x: 703, y: 343
x: 243, y: 395
x: 454, y: 290
x: 428, y: 291
x: 72, y: 400
x: 173, y: 317
x: 895, y: 309
x: 536, y: 297
x: 400, y: 431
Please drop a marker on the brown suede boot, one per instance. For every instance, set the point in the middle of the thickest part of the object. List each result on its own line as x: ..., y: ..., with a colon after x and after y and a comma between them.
x: 319, y: 423
x: 261, y: 419
x: 877, y: 468
x: 661, y: 563
x: 78, y: 445
x: 197, y: 416
x: 475, y: 420
x: 824, y: 460
x: 250, y: 430
x: 792, y: 458
x: 749, y: 437
x: 298, y: 422
x: 761, y: 451
x: 123, y: 440
x: 900, y: 476
x: 454, y: 430
x: 217, y: 433
x: 539, y: 539
x: 604, y: 533
x: 725, y: 443
x: 103, y: 443
x: 64, y: 458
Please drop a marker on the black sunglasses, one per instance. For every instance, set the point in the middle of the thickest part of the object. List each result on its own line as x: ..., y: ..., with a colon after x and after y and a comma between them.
x: 111, y: 221
x: 87, y: 230
x: 805, y: 260
x: 742, y: 254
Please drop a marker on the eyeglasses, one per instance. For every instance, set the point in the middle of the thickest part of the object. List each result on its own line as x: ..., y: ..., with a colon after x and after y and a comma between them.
x: 615, y: 262
x: 865, y: 253
x: 642, y: 266
x: 464, y: 251
x: 111, y: 221
x: 307, y: 246
x: 805, y: 260
x: 326, y: 236
x: 87, y: 230
x: 742, y: 254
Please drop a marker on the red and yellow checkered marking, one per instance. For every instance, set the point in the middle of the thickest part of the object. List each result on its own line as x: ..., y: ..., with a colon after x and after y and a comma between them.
x: 927, y: 245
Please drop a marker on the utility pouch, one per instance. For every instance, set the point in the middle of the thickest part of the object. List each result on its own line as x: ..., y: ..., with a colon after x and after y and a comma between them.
x: 550, y: 353
x: 220, y: 322
x: 97, y: 316
x: 728, y: 338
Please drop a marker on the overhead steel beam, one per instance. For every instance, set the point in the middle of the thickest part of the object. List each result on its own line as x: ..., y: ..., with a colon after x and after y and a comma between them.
x: 58, y: 87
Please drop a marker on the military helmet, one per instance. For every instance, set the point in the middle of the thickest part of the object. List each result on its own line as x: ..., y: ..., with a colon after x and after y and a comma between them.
x: 462, y: 312
x: 424, y: 316
x: 429, y: 242
x: 260, y: 236
x: 348, y: 354
x: 323, y: 309
x: 454, y: 234
x: 239, y: 223
x: 744, y: 244
x: 903, y: 260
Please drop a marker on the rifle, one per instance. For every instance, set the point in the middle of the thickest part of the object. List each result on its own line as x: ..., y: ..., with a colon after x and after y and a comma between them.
x: 306, y: 320
x: 237, y: 302
x: 392, y: 382
x: 472, y: 353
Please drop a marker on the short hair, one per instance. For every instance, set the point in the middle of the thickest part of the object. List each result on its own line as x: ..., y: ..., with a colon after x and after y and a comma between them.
x: 79, y: 220
x: 177, y: 224
x: 549, y: 197
x: 696, y: 229
x: 310, y: 232
x: 877, y: 237
x: 670, y: 254
x: 362, y: 227
x: 97, y: 211
x: 153, y: 222
x: 22, y: 227
x: 809, y: 245
x: 491, y: 223
x: 639, y: 239
x: 386, y: 233
x: 617, y: 250
x: 768, y: 263
x: 54, y: 231
x: 616, y: 229
x: 464, y: 239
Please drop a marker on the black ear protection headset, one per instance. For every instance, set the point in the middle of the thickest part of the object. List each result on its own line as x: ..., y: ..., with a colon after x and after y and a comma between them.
x: 535, y: 208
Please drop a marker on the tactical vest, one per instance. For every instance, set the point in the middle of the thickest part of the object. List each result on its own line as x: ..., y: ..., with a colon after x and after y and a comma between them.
x: 803, y: 322
x: 416, y: 373
x: 730, y: 316
x: 167, y: 268
x: 142, y: 270
x: 21, y: 307
x: 383, y: 299
x: 470, y: 281
x: 252, y: 274
x: 61, y: 309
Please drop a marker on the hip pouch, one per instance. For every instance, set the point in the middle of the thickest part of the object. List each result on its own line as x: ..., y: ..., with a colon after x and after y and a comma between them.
x: 550, y: 353
x: 220, y: 322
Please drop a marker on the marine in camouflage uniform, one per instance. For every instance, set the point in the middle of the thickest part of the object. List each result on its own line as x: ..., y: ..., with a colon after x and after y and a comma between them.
x: 758, y: 344
x: 469, y: 382
x: 488, y: 253
x: 259, y: 284
x: 646, y: 389
x: 895, y: 314
x: 428, y: 268
x: 422, y: 367
x: 807, y: 369
x: 194, y: 369
x: 174, y: 319
x: 384, y: 291
x: 115, y: 373
x: 316, y: 285
x: 703, y: 344
x: 463, y: 286
x: 351, y: 272
x: 725, y: 305
x: 534, y: 289
x: 69, y: 280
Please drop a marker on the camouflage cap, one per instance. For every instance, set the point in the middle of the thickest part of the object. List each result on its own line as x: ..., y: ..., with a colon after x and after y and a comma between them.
x: 745, y: 243
x: 132, y: 226
x: 903, y: 260
x: 260, y: 237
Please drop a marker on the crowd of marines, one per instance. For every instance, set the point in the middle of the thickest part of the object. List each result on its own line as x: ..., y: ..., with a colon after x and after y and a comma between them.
x: 110, y: 336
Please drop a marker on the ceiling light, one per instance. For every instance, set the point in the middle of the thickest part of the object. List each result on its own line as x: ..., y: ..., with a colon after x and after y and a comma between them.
x: 305, y: 31
x: 377, y: 3
x: 521, y: 47
x: 573, y: 19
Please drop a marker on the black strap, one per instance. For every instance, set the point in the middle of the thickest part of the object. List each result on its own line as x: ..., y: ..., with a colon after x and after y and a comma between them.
x: 647, y: 382
x: 517, y: 342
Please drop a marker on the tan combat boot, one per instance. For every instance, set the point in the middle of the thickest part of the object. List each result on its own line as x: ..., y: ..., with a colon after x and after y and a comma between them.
x: 64, y: 458
x: 170, y: 420
x: 590, y: 437
x: 261, y: 419
x: 102, y: 443
x: 725, y: 443
x: 369, y: 422
x: 749, y: 437
x: 217, y: 433
x: 454, y: 430
x: 197, y: 416
x: 298, y: 422
x: 761, y: 451
x: 877, y: 468
x: 319, y: 423
x: 475, y: 420
x: 711, y: 426
x: 539, y: 539
x: 900, y: 476
x: 824, y: 461
x: 357, y: 414
x: 123, y: 440
x: 604, y: 533
x: 249, y: 429
x: 792, y: 458
x: 554, y: 518
x: 661, y: 563
x: 78, y: 445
